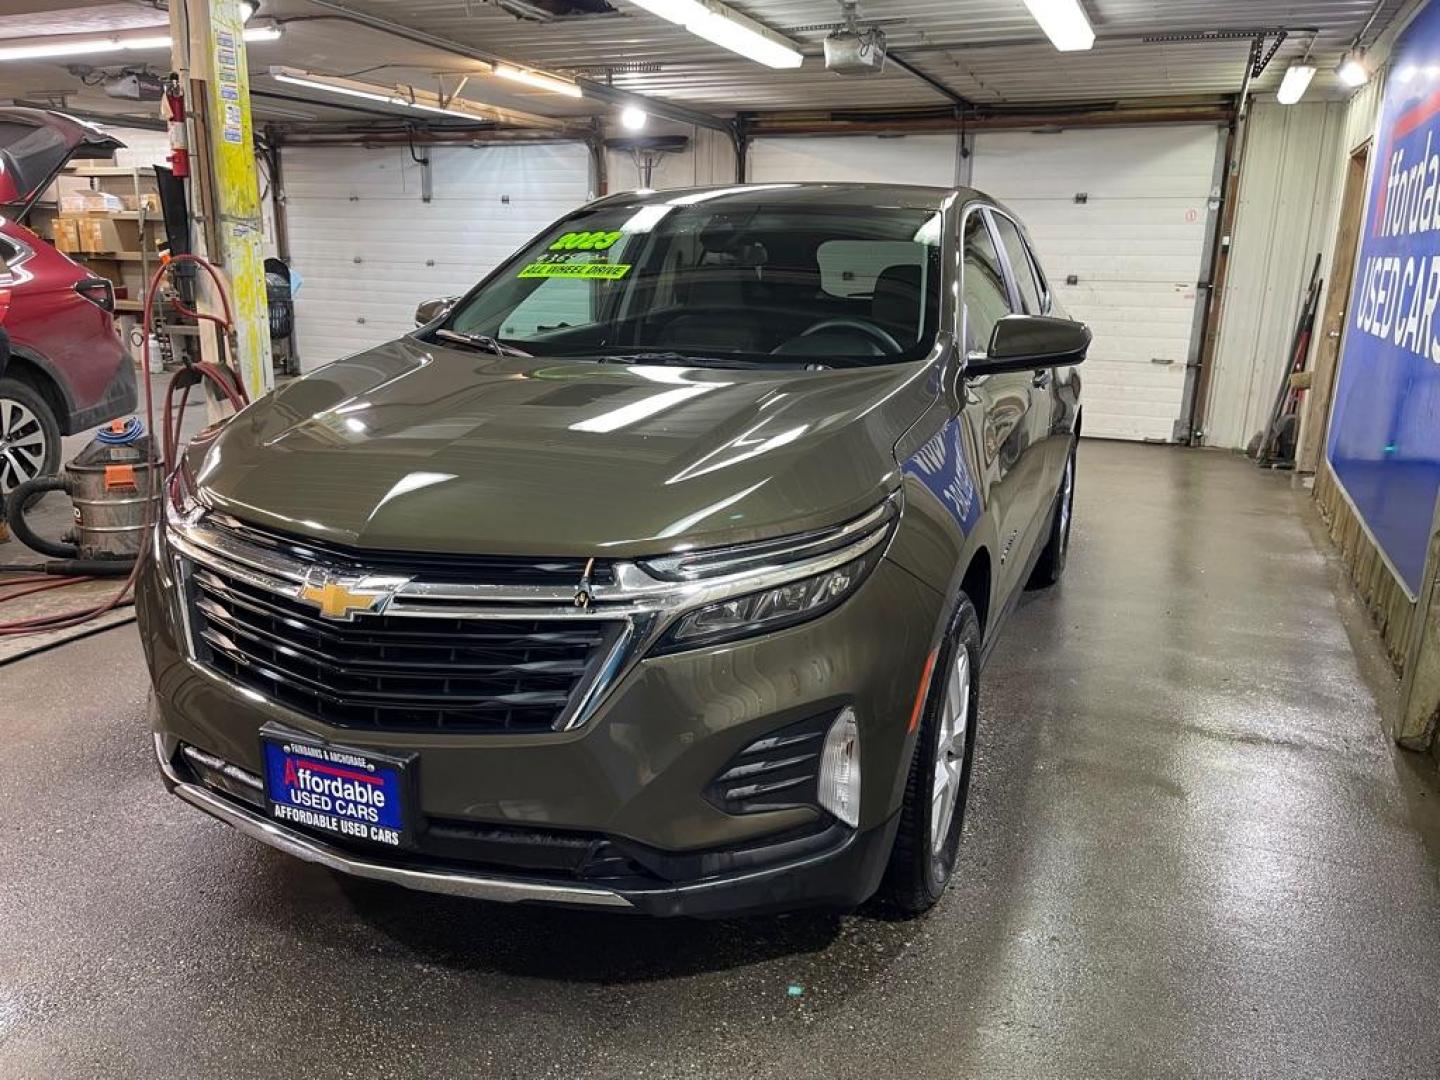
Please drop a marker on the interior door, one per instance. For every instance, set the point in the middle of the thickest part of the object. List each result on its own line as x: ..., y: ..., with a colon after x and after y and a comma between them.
x: 1003, y: 401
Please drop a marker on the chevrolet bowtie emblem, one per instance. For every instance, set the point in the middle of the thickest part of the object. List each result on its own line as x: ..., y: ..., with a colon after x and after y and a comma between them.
x: 339, y: 601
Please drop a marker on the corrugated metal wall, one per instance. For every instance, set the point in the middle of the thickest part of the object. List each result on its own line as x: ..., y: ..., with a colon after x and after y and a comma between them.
x: 1288, y: 186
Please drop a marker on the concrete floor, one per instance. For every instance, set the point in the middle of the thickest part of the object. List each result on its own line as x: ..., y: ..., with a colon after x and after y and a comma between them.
x: 1191, y: 853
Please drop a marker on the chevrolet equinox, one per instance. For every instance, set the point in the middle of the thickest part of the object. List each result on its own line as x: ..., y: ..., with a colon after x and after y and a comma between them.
x: 657, y: 572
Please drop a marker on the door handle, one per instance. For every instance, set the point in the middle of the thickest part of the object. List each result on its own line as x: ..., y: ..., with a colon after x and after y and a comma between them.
x: 1040, y: 379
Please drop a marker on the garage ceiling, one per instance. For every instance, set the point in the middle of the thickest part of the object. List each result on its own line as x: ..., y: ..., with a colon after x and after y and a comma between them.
x: 988, y: 51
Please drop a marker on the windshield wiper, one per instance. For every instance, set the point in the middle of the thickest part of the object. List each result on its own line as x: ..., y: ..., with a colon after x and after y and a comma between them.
x: 481, y: 341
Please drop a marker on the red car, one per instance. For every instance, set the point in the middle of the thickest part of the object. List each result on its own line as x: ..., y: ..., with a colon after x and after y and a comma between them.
x: 68, y: 370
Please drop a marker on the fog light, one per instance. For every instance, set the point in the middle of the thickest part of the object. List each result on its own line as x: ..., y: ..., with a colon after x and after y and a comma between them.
x: 840, y: 769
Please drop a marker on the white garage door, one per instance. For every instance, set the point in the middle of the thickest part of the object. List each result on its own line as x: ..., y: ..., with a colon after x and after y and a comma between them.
x: 1134, y: 247
x: 855, y: 159
x: 368, y: 249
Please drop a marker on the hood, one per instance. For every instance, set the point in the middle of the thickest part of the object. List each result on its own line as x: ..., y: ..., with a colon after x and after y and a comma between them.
x: 419, y: 447
x: 35, y: 144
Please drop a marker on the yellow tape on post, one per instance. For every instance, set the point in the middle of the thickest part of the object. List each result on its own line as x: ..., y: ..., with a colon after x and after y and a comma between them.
x: 237, y: 192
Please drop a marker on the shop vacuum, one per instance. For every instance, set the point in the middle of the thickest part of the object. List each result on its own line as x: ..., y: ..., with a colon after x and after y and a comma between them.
x: 114, y: 484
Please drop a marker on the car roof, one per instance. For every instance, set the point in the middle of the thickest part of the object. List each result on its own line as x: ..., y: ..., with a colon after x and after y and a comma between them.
x: 908, y: 196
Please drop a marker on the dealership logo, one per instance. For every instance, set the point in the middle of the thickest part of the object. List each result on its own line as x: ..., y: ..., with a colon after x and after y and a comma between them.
x: 341, y: 601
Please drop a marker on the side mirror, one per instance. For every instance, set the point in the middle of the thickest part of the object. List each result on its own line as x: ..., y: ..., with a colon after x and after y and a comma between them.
x: 1025, y: 342
x: 429, y: 310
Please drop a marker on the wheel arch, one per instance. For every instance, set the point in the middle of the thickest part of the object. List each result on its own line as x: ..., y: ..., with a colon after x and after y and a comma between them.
x: 976, y: 583
x: 39, y: 374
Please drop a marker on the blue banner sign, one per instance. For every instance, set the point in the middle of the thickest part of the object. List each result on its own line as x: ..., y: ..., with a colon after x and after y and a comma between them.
x: 1385, y: 429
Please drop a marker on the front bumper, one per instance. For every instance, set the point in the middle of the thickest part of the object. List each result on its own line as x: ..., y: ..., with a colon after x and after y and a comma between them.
x: 636, y: 773
x: 842, y: 874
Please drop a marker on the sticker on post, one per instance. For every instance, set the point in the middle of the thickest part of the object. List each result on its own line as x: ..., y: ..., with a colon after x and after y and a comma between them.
x: 596, y: 271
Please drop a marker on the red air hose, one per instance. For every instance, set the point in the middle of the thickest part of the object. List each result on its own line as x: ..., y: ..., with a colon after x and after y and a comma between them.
x: 230, y: 388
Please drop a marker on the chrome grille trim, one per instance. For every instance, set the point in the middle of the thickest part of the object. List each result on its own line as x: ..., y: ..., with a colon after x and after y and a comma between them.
x: 641, y: 602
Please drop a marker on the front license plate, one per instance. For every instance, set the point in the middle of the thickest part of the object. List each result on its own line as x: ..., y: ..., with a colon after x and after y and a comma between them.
x: 349, y: 793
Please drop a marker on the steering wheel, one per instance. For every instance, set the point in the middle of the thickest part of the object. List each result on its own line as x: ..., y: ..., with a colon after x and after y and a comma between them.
x: 877, y: 334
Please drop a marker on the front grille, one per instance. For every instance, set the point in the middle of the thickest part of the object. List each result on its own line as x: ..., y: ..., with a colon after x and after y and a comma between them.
x: 393, y: 672
x: 421, y: 566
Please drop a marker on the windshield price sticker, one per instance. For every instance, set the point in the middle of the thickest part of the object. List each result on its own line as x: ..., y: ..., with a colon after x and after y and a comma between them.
x: 596, y: 270
x: 587, y: 241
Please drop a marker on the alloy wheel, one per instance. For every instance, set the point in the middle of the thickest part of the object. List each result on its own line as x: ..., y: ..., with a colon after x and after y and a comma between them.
x: 950, y: 753
x: 22, y: 445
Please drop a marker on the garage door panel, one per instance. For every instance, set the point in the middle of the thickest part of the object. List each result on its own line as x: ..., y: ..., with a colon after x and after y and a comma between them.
x: 856, y: 159
x: 1134, y: 245
x: 1172, y: 162
x: 368, y: 249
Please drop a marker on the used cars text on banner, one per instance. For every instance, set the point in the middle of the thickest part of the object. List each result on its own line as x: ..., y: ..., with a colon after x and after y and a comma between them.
x: 1385, y: 430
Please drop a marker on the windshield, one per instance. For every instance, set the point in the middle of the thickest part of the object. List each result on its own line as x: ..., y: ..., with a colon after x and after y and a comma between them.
x: 691, y: 279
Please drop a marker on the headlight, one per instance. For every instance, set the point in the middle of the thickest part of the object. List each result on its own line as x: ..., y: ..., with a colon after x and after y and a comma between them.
x: 769, y: 586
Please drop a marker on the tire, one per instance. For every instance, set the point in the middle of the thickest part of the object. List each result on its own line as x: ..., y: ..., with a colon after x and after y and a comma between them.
x: 1051, y: 565
x: 922, y: 863
x: 29, y: 435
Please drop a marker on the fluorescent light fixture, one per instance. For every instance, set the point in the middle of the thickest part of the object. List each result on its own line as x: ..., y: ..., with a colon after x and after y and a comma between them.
x: 406, y: 97
x: 66, y: 48
x: 538, y: 79
x: 1351, y: 70
x: 1064, y: 23
x: 384, y: 97
x: 633, y: 119
x: 726, y: 27
x: 679, y: 12
x: 347, y: 91
x: 1296, y: 82
x: 89, y: 46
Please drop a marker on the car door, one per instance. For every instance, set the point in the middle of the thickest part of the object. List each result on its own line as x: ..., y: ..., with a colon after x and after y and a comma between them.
x: 1049, y: 441
x: 1003, y: 402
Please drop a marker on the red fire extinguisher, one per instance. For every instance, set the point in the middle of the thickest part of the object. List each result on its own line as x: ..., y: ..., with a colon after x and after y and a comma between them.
x: 175, y: 116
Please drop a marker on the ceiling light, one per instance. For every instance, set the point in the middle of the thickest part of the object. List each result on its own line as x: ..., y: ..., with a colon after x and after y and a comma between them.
x: 679, y: 12
x: 1064, y: 23
x: 89, y: 46
x: 729, y: 29
x: 633, y: 119
x: 538, y: 79
x: 1296, y: 81
x: 348, y: 91
x: 1352, y: 70
x: 67, y: 48
x: 246, y: 10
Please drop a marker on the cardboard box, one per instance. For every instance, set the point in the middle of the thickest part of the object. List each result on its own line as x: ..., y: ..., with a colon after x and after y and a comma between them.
x: 67, y: 234
x: 84, y: 202
x: 149, y: 201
